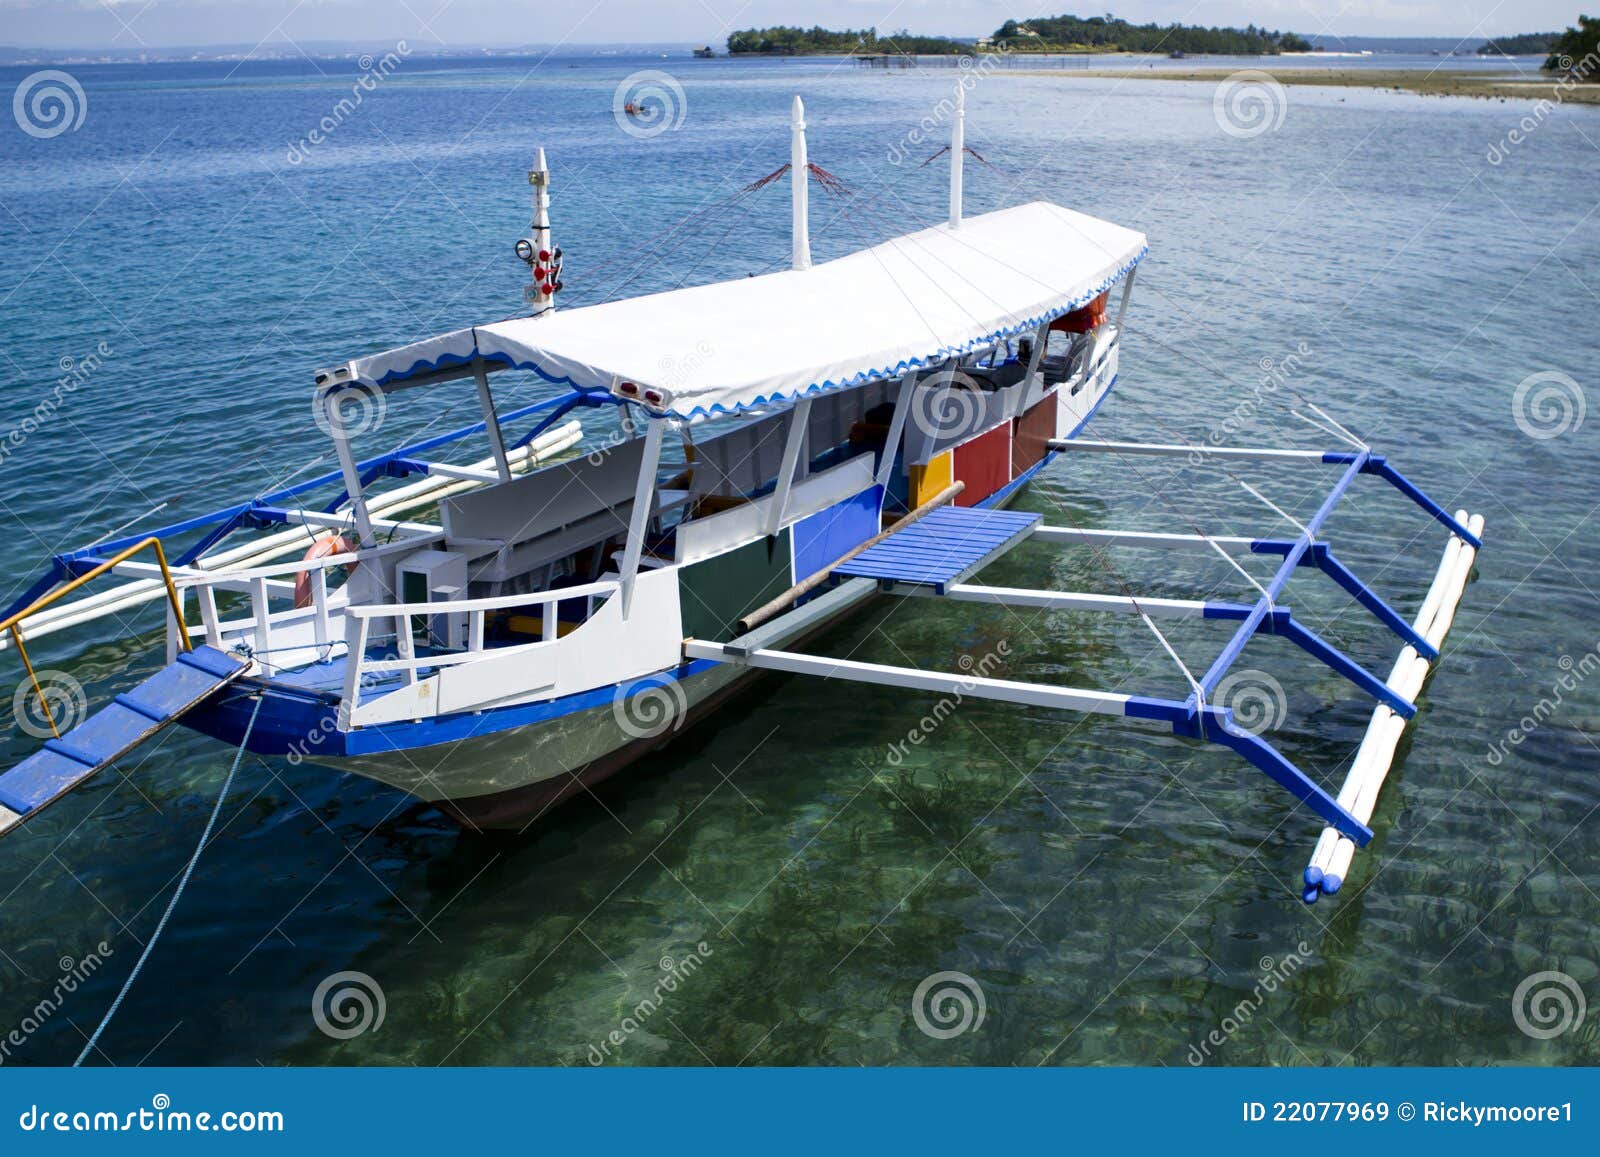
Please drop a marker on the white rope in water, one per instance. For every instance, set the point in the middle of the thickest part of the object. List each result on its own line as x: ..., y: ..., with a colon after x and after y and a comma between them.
x: 205, y: 838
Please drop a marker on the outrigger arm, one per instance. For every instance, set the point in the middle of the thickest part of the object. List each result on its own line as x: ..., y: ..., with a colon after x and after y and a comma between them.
x: 935, y: 554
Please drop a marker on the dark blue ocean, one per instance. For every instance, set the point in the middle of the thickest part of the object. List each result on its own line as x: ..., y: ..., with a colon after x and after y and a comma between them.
x: 1424, y: 269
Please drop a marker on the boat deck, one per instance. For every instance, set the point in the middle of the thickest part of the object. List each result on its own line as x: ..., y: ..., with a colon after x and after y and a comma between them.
x: 948, y: 545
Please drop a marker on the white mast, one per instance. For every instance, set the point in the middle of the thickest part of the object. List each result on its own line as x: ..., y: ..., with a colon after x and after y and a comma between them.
x: 543, y: 258
x: 799, y: 175
x: 957, y: 147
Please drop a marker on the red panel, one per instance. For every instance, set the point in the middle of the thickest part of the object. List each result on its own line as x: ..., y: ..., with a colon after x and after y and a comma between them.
x: 1033, y: 430
x: 984, y: 464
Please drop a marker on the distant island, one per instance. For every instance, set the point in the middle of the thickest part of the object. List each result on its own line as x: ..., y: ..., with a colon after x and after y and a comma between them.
x: 783, y: 41
x: 1048, y: 34
x: 1528, y: 44
x: 1109, y: 34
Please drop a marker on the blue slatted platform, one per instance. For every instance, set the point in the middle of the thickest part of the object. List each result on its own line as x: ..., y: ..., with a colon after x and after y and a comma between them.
x: 943, y: 547
x: 110, y: 733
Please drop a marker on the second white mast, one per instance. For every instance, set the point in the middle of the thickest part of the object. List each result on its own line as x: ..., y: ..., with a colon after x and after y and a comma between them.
x: 799, y: 176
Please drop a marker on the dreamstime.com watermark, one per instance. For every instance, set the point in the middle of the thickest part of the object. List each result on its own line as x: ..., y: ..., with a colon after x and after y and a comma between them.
x: 73, y: 973
x: 949, y: 704
x: 1249, y: 103
x: 48, y: 703
x: 1256, y: 699
x: 160, y: 1117
x: 651, y: 706
x: 1276, y: 374
x: 673, y: 974
x: 373, y: 73
x: 49, y: 103
x: 948, y: 1004
x: 1573, y: 73
x: 359, y: 409
x: 1548, y: 1004
x: 1573, y: 674
x: 348, y: 1004
x: 932, y: 127
x: 1548, y: 404
x: 75, y: 372
x: 1274, y: 975
x: 648, y: 103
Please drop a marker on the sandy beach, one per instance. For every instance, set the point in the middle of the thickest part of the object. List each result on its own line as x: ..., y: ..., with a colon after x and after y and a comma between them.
x: 1487, y: 86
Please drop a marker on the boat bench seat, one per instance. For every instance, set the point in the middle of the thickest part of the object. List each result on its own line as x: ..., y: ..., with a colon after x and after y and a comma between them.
x: 555, y: 510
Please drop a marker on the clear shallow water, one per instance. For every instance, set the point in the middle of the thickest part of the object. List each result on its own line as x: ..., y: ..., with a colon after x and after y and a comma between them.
x: 1114, y: 891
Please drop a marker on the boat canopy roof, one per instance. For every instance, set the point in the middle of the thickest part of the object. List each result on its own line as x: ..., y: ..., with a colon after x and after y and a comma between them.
x: 910, y: 302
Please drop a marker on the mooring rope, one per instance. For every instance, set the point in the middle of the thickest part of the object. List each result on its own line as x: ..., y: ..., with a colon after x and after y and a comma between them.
x: 177, y: 894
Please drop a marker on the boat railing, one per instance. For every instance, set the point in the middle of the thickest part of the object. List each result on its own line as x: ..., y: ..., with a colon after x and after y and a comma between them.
x: 12, y: 624
x: 268, y: 583
x: 366, y: 624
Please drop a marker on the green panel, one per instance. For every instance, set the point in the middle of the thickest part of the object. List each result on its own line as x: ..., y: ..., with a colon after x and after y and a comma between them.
x: 713, y: 593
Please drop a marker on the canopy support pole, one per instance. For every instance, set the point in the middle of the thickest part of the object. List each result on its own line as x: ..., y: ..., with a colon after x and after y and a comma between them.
x: 333, y: 404
x: 799, y: 179
x: 1127, y: 294
x: 491, y: 422
x: 794, y: 442
x: 643, y: 499
x: 897, y: 430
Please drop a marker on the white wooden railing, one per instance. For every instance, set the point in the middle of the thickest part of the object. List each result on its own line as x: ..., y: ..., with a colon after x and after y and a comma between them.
x: 264, y: 584
x: 362, y: 670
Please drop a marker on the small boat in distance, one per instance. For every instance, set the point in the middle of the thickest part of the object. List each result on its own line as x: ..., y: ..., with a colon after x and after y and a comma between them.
x: 779, y: 451
x: 704, y: 52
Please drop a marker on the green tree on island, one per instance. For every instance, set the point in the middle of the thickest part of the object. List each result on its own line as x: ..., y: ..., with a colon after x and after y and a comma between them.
x: 1045, y: 34
x: 1577, y: 53
x: 1528, y: 44
x: 1108, y: 33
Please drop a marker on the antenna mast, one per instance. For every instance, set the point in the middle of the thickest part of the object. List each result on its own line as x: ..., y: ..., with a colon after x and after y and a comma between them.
x: 537, y: 250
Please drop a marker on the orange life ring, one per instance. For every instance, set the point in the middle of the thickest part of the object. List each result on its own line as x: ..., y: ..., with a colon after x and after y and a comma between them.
x: 322, y: 548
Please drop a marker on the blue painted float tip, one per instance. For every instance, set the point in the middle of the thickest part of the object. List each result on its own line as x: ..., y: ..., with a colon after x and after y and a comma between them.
x: 1310, y: 894
x: 1331, y: 884
x: 1313, y: 876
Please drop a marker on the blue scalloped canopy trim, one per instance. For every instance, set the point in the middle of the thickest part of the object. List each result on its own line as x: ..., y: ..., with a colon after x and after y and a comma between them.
x: 890, y: 372
x: 444, y: 361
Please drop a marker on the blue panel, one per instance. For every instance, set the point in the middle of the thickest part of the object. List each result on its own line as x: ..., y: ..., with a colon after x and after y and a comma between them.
x: 942, y: 546
x: 826, y: 535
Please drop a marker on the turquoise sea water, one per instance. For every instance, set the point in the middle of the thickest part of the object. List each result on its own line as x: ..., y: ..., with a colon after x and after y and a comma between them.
x: 1116, y: 895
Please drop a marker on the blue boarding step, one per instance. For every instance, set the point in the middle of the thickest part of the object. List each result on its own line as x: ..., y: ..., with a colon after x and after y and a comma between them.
x: 945, y: 546
x: 113, y: 731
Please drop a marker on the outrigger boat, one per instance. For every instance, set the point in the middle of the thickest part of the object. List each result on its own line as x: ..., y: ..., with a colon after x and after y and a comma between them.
x: 850, y: 430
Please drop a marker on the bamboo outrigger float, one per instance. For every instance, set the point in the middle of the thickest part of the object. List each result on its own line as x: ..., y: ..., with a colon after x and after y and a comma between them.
x: 850, y: 430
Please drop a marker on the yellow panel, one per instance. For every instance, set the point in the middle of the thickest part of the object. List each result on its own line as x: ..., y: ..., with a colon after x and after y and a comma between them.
x: 927, y: 481
x: 534, y: 625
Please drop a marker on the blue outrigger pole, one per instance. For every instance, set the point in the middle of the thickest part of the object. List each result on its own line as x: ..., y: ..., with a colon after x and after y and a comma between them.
x: 933, y: 552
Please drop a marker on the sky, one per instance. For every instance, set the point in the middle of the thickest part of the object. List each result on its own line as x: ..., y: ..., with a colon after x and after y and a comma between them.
x: 132, y: 24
